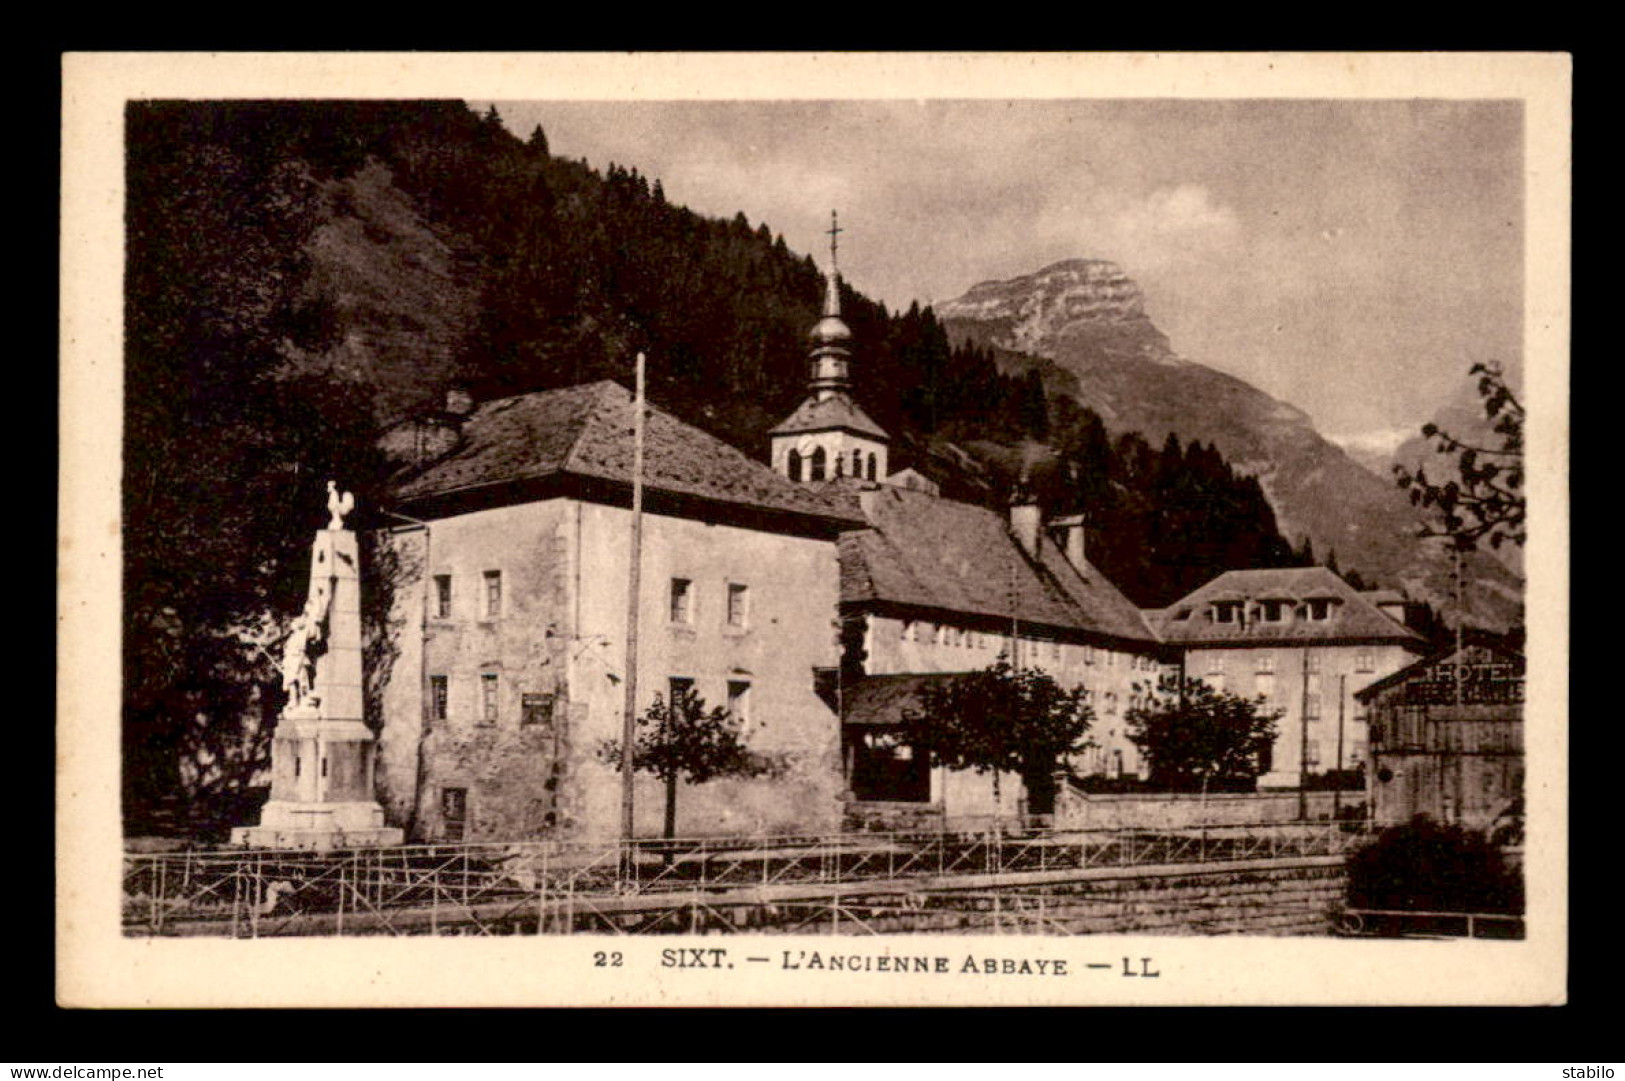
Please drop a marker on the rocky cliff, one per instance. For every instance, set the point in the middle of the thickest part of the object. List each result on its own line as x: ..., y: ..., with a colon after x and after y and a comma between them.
x: 1083, y: 324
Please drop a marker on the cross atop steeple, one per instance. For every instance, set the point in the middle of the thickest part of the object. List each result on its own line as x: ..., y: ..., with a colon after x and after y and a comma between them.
x: 832, y: 288
x: 834, y: 232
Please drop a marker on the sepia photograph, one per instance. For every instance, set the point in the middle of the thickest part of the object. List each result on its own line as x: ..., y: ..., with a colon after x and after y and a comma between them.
x: 855, y: 529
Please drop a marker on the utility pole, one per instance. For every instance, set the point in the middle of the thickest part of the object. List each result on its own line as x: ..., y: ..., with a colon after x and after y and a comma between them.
x: 1337, y: 791
x: 629, y: 716
x: 1461, y: 614
x: 1303, y: 742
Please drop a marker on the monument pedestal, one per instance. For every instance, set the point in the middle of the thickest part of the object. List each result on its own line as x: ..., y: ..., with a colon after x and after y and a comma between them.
x: 322, y: 755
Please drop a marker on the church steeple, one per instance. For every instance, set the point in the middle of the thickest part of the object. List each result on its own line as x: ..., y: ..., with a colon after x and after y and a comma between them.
x: 831, y: 338
x: 829, y: 436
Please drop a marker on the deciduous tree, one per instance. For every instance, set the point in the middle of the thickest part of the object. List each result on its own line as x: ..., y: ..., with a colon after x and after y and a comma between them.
x: 1196, y: 737
x: 682, y: 740
x: 1486, y: 499
x: 1002, y: 719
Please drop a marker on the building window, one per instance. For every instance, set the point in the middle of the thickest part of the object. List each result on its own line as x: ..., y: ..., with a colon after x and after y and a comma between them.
x: 871, y: 467
x: 682, y: 590
x: 1264, y: 684
x: 1320, y: 610
x: 679, y: 687
x: 1311, y: 660
x: 795, y: 464
x: 739, y: 699
x: 535, y: 709
x: 1365, y: 661
x: 857, y: 463
x: 1227, y: 612
x: 1088, y: 654
x: 493, y: 594
x: 438, y: 695
x: 738, y: 604
x: 1311, y: 705
x: 1215, y: 665
x: 488, y: 697
x: 1311, y: 754
x: 1272, y: 611
x: 454, y: 812
x: 1264, y: 662
x: 818, y: 460
x: 442, y: 596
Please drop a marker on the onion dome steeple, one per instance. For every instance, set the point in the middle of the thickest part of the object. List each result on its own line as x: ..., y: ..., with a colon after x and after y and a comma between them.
x: 829, y: 436
x: 831, y: 338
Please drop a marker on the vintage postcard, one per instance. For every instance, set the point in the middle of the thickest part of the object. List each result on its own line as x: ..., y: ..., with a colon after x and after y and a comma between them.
x: 779, y: 529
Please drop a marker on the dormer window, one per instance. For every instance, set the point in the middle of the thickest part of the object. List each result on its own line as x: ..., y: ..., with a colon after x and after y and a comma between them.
x: 1227, y: 611
x: 1318, y: 609
x: 1272, y: 611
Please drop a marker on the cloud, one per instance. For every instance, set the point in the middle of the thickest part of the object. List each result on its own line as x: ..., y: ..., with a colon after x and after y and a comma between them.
x: 1173, y: 224
x: 1143, y: 231
x: 1377, y: 441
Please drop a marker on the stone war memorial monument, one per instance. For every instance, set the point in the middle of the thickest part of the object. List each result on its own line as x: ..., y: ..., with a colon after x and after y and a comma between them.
x: 322, y: 752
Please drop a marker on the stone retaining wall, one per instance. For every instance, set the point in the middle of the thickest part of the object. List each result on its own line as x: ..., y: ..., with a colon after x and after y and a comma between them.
x: 1079, y: 810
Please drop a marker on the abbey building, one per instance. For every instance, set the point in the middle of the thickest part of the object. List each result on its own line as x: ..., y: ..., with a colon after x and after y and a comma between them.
x: 814, y: 596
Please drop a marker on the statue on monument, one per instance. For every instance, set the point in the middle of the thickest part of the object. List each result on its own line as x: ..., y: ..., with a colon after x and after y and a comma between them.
x: 338, y: 504
x: 298, y: 670
x: 322, y: 752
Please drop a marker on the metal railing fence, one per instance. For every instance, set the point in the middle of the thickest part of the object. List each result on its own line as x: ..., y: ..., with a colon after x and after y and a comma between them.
x: 428, y: 888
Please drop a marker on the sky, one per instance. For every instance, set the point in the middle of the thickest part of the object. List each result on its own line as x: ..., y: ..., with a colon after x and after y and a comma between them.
x: 1353, y: 258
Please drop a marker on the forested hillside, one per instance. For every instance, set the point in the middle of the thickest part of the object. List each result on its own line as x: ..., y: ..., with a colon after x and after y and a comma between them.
x: 301, y: 273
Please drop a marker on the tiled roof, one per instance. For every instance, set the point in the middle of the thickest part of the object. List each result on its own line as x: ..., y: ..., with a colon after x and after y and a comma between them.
x: 923, y: 551
x: 881, y: 700
x: 836, y: 411
x: 586, y: 431
x: 1353, y: 618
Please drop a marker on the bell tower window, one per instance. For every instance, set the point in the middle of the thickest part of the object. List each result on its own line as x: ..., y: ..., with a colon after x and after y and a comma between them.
x: 818, y: 460
x: 794, y: 462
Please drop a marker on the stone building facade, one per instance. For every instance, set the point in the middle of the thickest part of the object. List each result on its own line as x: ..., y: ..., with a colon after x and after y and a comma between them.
x: 1296, y: 638
x: 509, y: 613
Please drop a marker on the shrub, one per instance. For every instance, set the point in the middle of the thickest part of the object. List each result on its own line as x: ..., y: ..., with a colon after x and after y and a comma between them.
x: 1424, y: 866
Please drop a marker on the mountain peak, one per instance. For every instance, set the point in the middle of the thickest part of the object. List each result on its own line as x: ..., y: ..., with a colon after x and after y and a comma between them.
x: 1083, y: 322
x: 1092, y: 296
